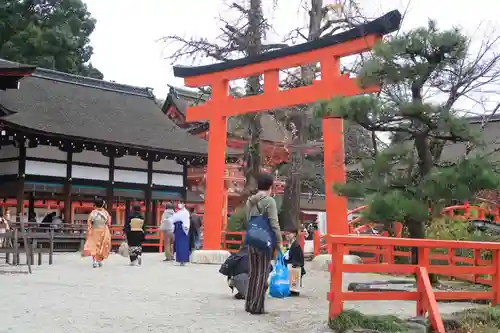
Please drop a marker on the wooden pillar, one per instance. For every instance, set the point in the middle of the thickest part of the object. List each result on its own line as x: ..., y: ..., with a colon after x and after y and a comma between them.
x: 21, y: 175
x: 111, y: 183
x: 154, y: 212
x: 68, y: 218
x: 31, y: 208
x: 149, y: 193
x: 217, y: 141
x: 224, y: 217
x: 336, y: 206
x: 185, y: 188
x: 126, y: 214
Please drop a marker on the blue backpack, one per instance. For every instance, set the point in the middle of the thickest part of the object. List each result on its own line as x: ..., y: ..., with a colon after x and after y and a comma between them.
x: 259, y: 233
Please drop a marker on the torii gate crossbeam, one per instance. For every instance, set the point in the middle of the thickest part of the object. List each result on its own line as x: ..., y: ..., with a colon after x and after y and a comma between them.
x: 327, y: 51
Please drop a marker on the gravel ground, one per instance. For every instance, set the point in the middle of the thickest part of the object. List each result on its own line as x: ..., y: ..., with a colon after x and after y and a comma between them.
x: 72, y: 297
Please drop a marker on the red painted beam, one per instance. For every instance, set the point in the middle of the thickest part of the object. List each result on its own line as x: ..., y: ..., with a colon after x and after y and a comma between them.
x: 344, y: 86
x: 345, y: 49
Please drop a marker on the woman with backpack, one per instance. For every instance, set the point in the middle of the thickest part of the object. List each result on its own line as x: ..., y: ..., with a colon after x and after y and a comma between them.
x: 262, y: 227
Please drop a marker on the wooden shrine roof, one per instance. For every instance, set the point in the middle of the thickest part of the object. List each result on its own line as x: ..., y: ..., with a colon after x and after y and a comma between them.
x: 12, y: 72
x: 9, y: 66
x: 81, y: 108
x: 490, y: 135
x: 272, y: 129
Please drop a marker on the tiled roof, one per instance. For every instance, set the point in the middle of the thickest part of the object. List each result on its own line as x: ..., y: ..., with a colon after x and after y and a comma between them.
x: 85, y: 108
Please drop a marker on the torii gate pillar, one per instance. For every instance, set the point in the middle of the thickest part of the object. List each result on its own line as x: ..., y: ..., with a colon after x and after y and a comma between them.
x: 327, y: 51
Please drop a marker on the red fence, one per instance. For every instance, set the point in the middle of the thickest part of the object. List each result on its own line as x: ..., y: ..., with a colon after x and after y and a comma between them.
x: 154, y: 237
x: 378, y: 254
x: 232, y: 241
x: 425, y: 297
x: 466, y: 211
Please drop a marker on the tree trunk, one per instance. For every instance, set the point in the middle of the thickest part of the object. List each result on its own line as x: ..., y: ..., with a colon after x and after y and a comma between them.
x: 252, y: 154
x: 416, y: 229
x: 253, y: 87
x: 290, y: 209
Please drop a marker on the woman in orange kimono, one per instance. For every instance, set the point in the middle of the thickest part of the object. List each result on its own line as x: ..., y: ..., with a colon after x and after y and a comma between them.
x: 98, y: 242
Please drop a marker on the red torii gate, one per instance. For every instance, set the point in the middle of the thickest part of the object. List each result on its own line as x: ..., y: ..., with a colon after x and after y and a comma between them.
x: 327, y: 51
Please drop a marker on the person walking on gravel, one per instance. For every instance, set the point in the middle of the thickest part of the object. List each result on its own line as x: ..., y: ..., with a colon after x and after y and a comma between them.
x: 167, y: 228
x: 98, y: 243
x: 181, y: 223
x: 135, y: 231
x: 261, y: 205
x: 4, y: 227
x: 194, y: 229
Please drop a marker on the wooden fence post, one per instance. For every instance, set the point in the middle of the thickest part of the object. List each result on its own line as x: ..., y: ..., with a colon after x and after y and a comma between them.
x: 51, y: 247
x: 160, y: 248
x: 477, y: 262
x: 496, y: 277
x: 16, y: 258
x: 335, y: 298
x: 428, y: 299
x: 302, y: 241
x: 466, y: 210
x: 423, y: 261
x: 317, y: 242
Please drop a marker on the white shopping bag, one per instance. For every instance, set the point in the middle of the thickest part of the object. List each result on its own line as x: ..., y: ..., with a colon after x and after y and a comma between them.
x: 295, y: 275
x: 123, y: 249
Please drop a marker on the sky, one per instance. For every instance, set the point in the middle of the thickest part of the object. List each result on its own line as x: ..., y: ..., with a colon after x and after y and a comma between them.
x: 127, y: 39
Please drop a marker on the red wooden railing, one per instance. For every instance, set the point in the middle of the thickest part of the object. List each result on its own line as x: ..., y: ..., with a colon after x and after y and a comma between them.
x: 154, y: 237
x: 425, y: 297
x: 467, y: 211
x: 381, y: 255
x: 232, y: 241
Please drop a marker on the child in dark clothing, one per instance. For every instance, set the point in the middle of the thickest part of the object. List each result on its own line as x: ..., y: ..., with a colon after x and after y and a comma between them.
x: 294, y: 259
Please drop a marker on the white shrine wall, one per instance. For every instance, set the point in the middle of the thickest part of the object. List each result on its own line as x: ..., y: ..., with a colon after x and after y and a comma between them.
x: 51, y: 161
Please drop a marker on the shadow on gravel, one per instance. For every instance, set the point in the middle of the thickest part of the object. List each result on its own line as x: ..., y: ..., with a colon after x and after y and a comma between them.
x: 12, y: 272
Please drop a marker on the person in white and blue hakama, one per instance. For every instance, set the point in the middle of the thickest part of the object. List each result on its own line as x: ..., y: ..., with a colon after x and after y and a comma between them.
x: 181, y: 223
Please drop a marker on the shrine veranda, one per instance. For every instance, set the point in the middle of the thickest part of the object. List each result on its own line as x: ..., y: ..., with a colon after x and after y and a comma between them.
x: 66, y: 139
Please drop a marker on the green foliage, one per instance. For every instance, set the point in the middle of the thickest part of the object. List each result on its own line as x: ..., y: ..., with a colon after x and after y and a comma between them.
x: 395, y: 206
x: 460, y: 181
x: 394, y: 196
x: 450, y: 229
x: 459, y: 230
x: 403, y: 181
x: 237, y: 221
x: 479, y: 320
x: 52, y: 34
x: 351, y: 319
x: 418, y: 55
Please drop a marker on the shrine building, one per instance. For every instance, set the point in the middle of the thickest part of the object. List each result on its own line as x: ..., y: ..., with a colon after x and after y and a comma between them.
x: 66, y: 139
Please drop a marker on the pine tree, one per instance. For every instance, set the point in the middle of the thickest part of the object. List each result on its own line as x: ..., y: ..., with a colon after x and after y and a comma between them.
x: 407, y: 181
x: 53, y: 34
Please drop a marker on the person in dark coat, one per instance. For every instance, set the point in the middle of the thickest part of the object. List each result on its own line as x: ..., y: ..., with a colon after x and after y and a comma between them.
x: 236, y: 269
x: 294, y: 259
x: 135, y: 230
x: 194, y: 229
x: 47, y: 221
